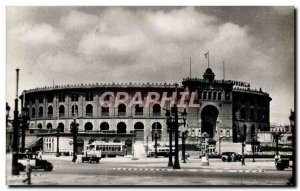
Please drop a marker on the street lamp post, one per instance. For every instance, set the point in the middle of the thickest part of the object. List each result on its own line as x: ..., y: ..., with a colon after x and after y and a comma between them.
x: 74, y: 131
x: 183, y: 146
x: 253, y: 142
x: 147, y: 147
x: 16, y: 123
x: 243, y: 145
x: 155, y: 142
x: 169, y: 125
x: 57, y: 137
x: 25, y: 118
x: 220, y: 145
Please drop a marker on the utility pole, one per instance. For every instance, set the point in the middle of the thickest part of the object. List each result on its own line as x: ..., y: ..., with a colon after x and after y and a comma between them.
x: 176, y: 160
x: 74, y: 130
x: 155, y: 141
x: 183, y: 147
x: 169, y: 124
x: 16, y: 123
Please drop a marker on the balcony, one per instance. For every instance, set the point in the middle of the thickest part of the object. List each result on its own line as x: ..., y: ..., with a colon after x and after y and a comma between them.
x: 121, y: 114
x: 50, y: 116
x: 62, y: 115
x: 139, y: 114
x: 104, y: 114
x: 158, y: 114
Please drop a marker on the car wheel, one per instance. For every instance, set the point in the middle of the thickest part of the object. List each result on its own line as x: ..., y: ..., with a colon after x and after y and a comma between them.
x: 48, y: 167
x: 223, y: 159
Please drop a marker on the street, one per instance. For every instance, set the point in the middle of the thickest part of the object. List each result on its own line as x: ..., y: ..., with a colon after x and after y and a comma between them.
x: 153, y: 171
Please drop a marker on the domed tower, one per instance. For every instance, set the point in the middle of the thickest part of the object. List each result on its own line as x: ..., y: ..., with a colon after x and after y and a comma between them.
x: 209, y: 75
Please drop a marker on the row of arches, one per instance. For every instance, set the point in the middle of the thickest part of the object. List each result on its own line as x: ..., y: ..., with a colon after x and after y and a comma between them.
x: 260, y: 115
x: 211, y: 95
x: 104, y: 126
x: 139, y: 110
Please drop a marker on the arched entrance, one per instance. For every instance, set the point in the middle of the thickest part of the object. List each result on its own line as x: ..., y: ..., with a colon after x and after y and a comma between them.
x: 88, y: 126
x: 209, y: 117
x: 156, y: 128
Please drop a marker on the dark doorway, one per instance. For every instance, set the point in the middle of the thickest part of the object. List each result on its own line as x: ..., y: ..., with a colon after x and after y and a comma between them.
x: 128, y: 144
x: 209, y: 117
x: 121, y: 127
x: 139, y: 131
x: 80, y: 144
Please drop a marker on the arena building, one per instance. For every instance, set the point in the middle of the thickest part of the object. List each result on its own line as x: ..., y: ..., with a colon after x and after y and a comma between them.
x: 224, y: 109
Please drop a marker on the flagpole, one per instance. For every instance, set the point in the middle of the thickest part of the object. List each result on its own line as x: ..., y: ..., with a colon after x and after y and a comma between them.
x: 208, y: 58
x: 190, y: 67
x: 224, y: 69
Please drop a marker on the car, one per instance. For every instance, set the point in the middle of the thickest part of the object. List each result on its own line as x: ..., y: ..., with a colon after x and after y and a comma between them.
x: 161, y: 151
x: 230, y: 156
x: 34, y: 162
x: 282, y: 163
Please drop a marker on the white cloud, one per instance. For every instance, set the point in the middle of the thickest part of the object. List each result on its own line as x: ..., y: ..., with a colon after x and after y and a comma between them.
x: 36, y: 34
x: 77, y: 20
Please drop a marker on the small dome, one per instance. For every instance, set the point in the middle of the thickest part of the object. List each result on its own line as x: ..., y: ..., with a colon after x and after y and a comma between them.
x: 208, y: 71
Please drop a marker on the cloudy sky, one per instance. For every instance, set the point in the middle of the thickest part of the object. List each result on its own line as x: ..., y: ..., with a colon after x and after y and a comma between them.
x: 75, y: 45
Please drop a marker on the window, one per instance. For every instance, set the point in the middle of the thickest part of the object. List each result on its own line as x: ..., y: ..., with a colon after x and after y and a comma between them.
x: 61, y: 111
x: 156, y: 110
x: 50, y: 111
x: 104, y: 111
x: 252, y: 114
x: 209, y: 95
x: 221, y: 133
x: 61, y: 98
x: 50, y: 98
x: 89, y: 110
x: 40, y: 126
x: 156, y: 131
x: 74, y: 109
x: 74, y: 97
x: 89, y: 96
x: 88, y: 126
x: 243, y: 113
x: 204, y: 95
x: 215, y: 96
x: 121, y: 110
x: 219, y: 96
x: 33, y: 100
x: 138, y: 110
x: 33, y: 112
x: 41, y: 99
x: 104, y: 126
x: 121, y: 127
x: 41, y: 111
x: 227, y: 133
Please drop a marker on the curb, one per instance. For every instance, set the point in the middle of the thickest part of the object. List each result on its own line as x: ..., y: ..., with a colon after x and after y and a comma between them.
x: 188, y: 170
x: 21, y: 176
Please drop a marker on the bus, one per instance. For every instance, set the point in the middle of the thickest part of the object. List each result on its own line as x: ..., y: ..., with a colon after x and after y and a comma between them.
x: 161, y: 151
x: 107, y: 149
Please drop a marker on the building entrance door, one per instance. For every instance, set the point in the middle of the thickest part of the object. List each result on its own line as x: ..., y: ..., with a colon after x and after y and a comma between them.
x: 209, y: 117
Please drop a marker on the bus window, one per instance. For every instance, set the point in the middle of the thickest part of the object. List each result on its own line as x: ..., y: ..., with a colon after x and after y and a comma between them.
x: 97, y: 147
x: 92, y: 146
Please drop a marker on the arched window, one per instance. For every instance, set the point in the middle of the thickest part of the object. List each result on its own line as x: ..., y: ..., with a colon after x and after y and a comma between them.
x: 104, y: 111
x: 88, y: 126
x: 121, y: 127
x: 33, y: 113
x: 41, y: 111
x: 104, y: 126
x: 209, y: 95
x: 252, y: 114
x: 215, y: 96
x: 219, y: 95
x: 156, y: 110
x: 61, y: 111
x: 49, y: 126
x: 121, y: 110
x: 61, y: 127
x: 139, y: 131
x: 243, y: 113
x: 89, y: 110
x: 116, y: 141
x: 40, y: 126
x: 74, y: 109
x: 139, y: 110
x: 50, y: 111
x: 204, y: 95
x: 156, y: 129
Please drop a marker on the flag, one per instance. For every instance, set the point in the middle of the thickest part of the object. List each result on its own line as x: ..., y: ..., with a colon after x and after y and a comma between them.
x: 206, y: 54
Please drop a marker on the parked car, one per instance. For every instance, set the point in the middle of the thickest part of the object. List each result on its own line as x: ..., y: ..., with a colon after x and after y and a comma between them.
x: 34, y: 162
x: 282, y: 163
x: 230, y: 156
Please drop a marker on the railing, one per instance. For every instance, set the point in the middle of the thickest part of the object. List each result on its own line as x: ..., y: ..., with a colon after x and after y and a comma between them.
x: 139, y: 113
x: 50, y: 115
x: 104, y: 114
x: 121, y: 113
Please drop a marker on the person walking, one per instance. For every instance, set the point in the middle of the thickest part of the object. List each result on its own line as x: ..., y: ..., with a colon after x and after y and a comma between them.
x: 28, y: 172
x: 243, y: 160
x: 40, y: 153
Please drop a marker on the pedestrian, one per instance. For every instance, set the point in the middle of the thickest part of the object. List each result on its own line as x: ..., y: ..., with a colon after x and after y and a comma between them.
x: 243, y: 160
x: 28, y: 172
x: 26, y: 153
x: 40, y: 153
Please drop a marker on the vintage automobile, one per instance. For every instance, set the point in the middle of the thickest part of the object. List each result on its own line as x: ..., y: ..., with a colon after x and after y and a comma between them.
x: 230, y: 156
x: 282, y: 163
x: 161, y: 151
x: 34, y: 162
